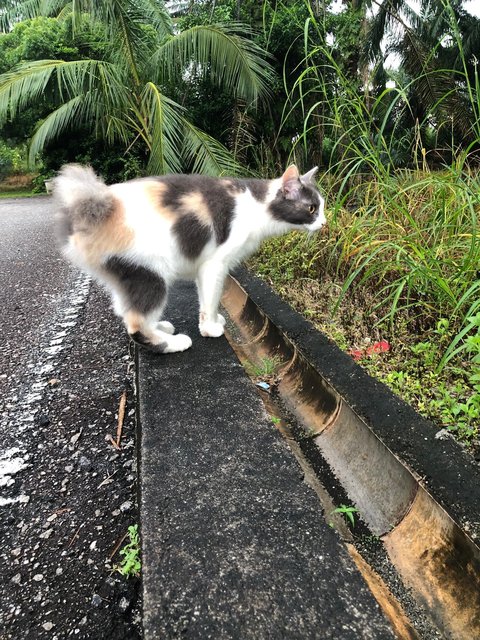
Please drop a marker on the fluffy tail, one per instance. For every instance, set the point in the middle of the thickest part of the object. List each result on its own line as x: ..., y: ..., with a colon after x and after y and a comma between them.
x: 83, y: 199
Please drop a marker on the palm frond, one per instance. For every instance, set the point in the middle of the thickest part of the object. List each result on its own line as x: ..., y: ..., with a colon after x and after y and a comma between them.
x: 28, y: 82
x: 55, y: 124
x: 388, y: 16
x: 90, y: 94
x: 123, y: 22
x: 24, y: 84
x: 203, y: 154
x: 229, y: 59
x: 163, y: 124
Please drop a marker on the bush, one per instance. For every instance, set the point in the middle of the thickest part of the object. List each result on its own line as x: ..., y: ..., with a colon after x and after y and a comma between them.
x: 10, y: 160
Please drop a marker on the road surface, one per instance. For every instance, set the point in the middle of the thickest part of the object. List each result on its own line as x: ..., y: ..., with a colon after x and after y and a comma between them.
x: 67, y: 495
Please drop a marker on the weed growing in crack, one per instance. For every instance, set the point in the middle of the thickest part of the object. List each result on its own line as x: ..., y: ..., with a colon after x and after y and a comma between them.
x: 348, y: 513
x: 266, y: 368
x: 130, y: 566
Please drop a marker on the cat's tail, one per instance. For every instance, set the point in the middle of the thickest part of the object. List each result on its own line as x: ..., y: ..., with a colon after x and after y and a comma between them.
x: 83, y: 199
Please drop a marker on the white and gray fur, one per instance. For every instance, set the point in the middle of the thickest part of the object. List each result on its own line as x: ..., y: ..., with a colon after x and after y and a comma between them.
x: 138, y: 237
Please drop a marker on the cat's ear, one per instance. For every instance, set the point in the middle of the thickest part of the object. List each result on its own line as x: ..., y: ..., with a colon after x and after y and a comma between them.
x: 309, y: 176
x: 291, y: 174
x: 291, y: 183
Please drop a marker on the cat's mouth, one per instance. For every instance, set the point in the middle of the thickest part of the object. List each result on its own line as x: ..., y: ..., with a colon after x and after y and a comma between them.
x: 317, y: 225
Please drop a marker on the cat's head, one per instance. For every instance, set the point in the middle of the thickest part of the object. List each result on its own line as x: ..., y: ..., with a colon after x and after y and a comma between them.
x: 298, y: 201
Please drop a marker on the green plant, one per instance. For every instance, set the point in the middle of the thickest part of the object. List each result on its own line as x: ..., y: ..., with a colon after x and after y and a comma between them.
x: 348, y: 513
x: 130, y: 566
x: 10, y: 160
x: 401, y: 189
x: 126, y: 92
x: 266, y: 368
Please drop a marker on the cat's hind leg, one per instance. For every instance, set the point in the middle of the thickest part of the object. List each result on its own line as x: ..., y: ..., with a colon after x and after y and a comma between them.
x: 148, y: 334
x: 141, y: 293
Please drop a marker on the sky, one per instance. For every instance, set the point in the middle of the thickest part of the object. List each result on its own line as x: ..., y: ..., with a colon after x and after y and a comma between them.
x: 473, y: 7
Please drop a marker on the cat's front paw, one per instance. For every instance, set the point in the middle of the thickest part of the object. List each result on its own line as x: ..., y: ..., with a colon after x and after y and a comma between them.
x: 209, y: 329
x: 166, y: 327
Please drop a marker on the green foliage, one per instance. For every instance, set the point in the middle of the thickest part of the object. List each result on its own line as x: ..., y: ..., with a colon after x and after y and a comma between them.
x: 130, y: 566
x: 288, y: 258
x: 120, y: 92
x: 451, y: 396
x: 33, y: 40
x: 411, y: 241
x: 10, y: 160
x: 266, y: 368
x: 348, y: 512
x: 36, y: 39
x: 416, y: 241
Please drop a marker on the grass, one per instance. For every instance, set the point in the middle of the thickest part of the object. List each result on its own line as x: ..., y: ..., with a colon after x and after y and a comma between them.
x: 401, y: 261
x: 402, y: 267
x: 18, y: 194
x: 264, y: 369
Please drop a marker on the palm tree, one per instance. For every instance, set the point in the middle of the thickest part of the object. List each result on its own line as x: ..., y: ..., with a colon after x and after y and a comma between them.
x: 436, y: 47
x: 123, y: 95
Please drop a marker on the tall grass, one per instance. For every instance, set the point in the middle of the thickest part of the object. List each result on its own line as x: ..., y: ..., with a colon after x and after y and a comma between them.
x: 412, y: 233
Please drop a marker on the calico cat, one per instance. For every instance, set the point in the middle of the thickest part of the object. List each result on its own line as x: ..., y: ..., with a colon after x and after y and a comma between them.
x: 140, y: 236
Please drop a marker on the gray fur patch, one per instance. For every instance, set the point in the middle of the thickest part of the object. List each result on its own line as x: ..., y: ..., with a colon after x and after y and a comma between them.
x: 92, y: 210
x: 192, y: 235
x: 140, y: 339
x: 144, y: 289
x: 82, y: 199
x: 258, y: 188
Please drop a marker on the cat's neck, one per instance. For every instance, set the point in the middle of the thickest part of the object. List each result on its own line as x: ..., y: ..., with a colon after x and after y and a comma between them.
x: 254, y: 221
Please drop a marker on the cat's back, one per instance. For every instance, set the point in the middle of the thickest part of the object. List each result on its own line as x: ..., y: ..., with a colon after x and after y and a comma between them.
x: 192, y: 203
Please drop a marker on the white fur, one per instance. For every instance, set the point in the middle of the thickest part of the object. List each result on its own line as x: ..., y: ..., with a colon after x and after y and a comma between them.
x: 76, y: 182
x: 156, y: 248
x: 179, y: 342
x: 321, y: 220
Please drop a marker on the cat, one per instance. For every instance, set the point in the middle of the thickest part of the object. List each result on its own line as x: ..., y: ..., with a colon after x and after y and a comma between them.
x: 138, y: 237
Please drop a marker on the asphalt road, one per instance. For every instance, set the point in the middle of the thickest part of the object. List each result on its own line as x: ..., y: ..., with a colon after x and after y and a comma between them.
x: 34, y: 282
x: 67, y: 495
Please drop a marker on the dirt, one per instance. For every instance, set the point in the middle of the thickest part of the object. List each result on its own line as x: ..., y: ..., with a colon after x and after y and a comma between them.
x: 75, y: 497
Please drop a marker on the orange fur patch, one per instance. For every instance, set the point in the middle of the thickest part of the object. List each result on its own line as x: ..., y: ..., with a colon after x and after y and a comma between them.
x: 194, y: 203
x: 113, y: 236
x: 134, y: 321
x: 154, y: 191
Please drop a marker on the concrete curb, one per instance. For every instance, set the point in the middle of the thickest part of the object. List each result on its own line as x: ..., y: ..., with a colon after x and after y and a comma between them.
x: 417, y: 493
x: 444, y: 467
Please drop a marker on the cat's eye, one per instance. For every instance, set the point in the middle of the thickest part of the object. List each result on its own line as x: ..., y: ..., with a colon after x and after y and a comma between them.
x: 311, y: 209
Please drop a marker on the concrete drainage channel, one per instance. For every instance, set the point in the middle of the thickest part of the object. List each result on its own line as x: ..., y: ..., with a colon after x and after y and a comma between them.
x: 416, y: 494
